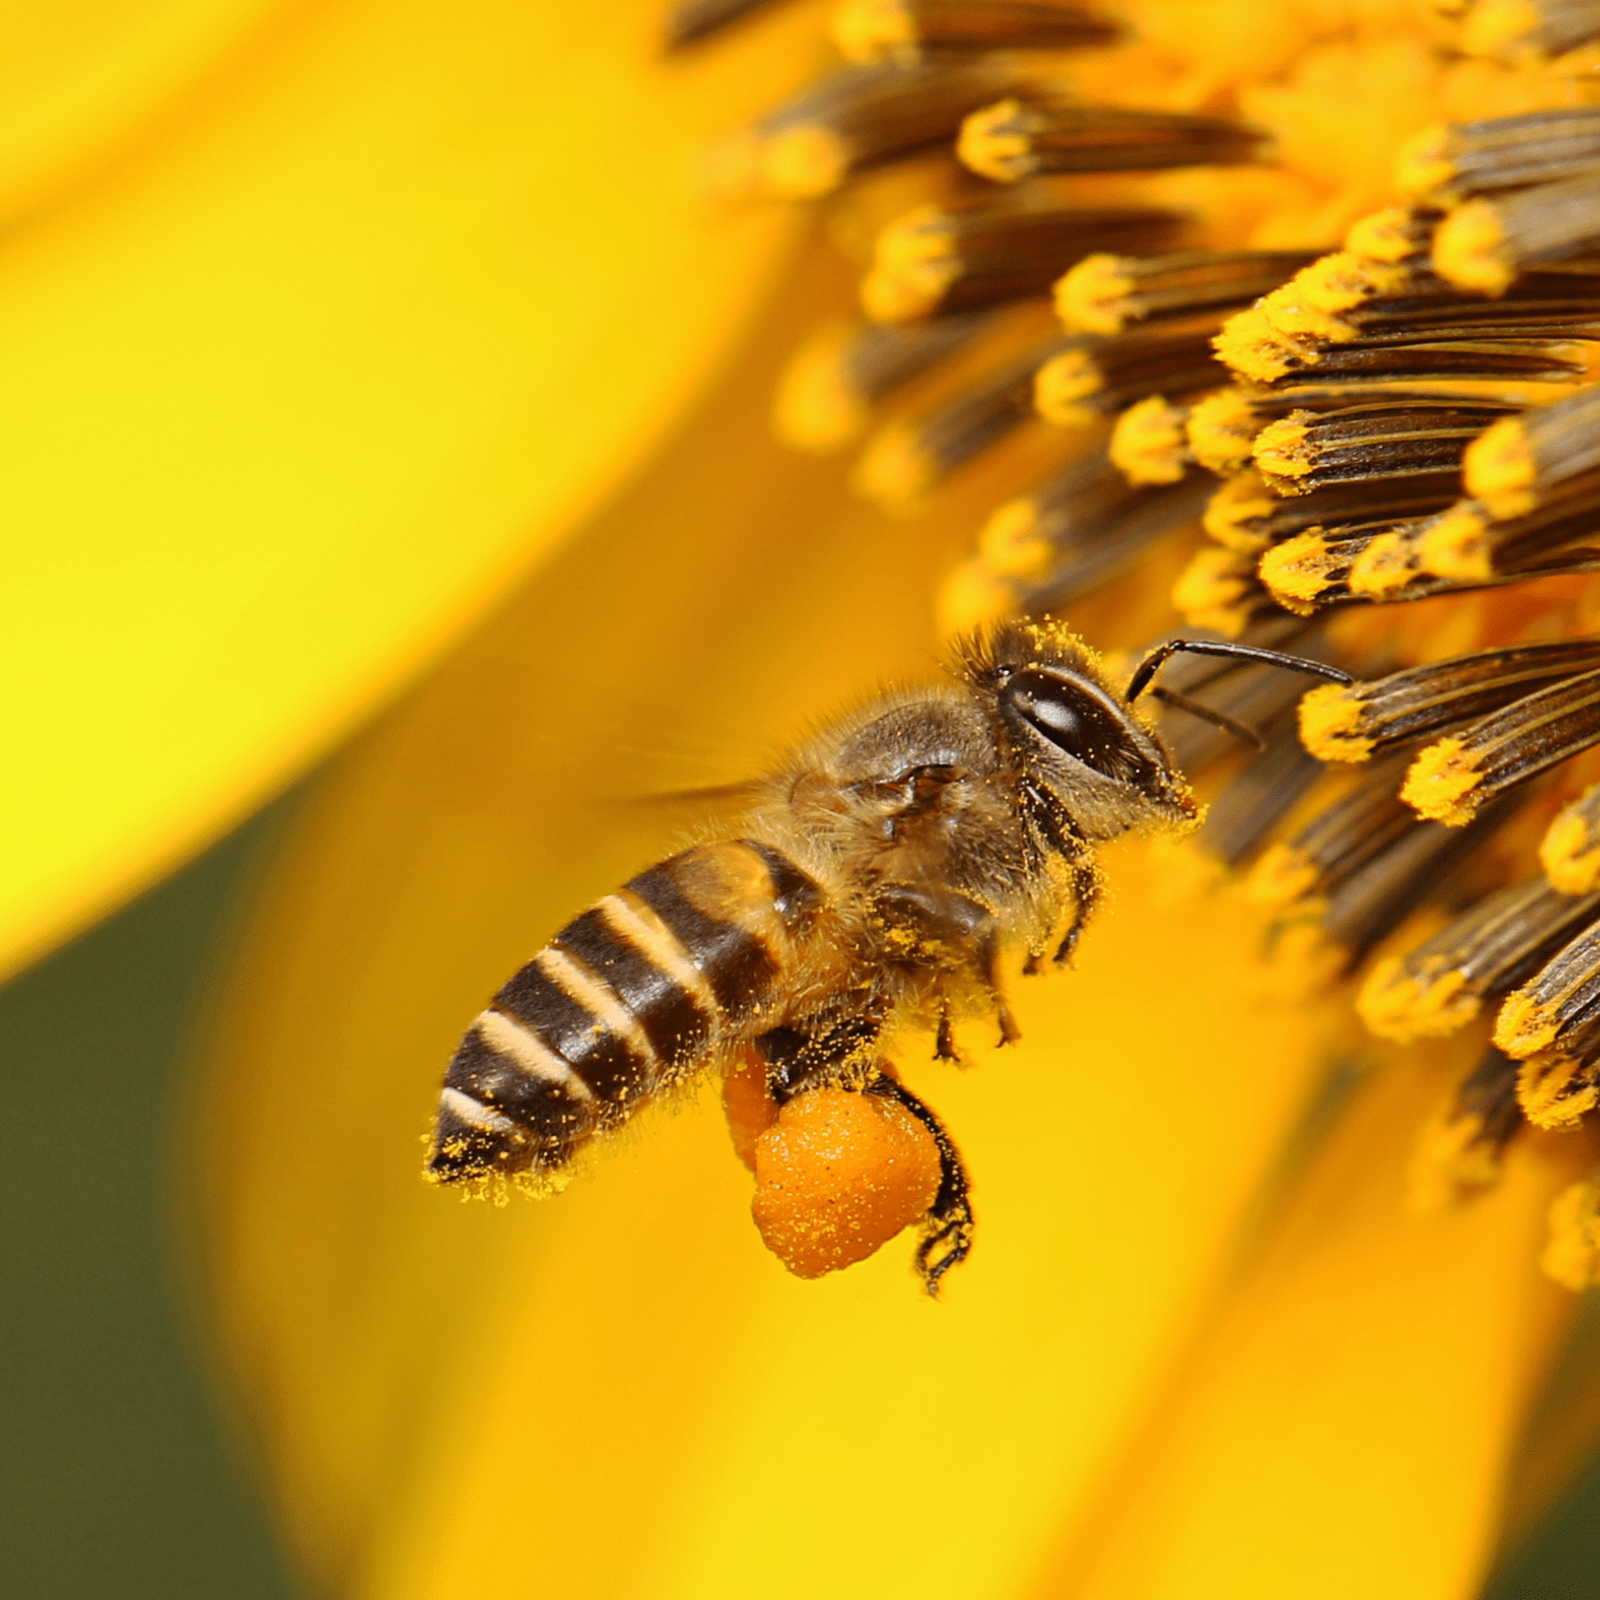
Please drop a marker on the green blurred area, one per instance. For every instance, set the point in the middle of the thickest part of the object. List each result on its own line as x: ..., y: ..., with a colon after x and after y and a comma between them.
x: 118, y: 1477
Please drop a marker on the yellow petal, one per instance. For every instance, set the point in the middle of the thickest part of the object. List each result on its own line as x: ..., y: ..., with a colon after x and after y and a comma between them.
x: 603, y: 1394
x: 1346, y: 1423
x: 290, y: 397
x: 80, y: 79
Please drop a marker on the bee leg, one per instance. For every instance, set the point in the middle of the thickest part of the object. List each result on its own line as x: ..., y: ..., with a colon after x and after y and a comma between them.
x: 947, y: 1228
x: 989, y: 965
x: 1085, y: 900
x: 822, y: 1049
x: 944, y: 1045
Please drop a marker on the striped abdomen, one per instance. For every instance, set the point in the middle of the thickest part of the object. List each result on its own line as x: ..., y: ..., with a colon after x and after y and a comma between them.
x: 646, y: 985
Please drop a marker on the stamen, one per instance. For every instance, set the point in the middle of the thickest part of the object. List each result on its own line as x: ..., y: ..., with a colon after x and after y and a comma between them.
x: 1079, y: 530
x: 1486, y: 243
x: 1570, y: 850
x: 1358, y: 721
x: 810, y: 144
x: 1486, y: 952
x: 1105, y: 293
x: 1452, y: 162
x: 1452, y: 780
x: 827, y: 391
x: 934, y: 259
x: 1015, y: 140
x: 1348, y: 317
x: 1524, y: 461
x: 907, y: 459
x: 1556, y: 1090
x: 1245, y: 515
x: 901, y: 30
x: 1099, y: 373
x: 1313, y: 569
x: 1550, y: 27
x: 1461, y: 1151
x: 1366, y: 443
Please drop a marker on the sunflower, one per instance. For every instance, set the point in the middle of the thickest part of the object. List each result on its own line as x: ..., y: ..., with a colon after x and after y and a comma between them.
x: 1272, y: 324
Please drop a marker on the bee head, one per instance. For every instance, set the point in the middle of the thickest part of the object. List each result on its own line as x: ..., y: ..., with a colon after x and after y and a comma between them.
x: 1076, y: 744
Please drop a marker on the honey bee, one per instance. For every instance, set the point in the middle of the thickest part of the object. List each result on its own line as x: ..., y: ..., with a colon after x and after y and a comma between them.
x: 880, y: 873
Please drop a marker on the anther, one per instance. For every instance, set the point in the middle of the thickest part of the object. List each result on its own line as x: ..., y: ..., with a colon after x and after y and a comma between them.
x: 1018, y: 139
x: 1097, y: 373
x: 1528, y: 460
x: 901, y: 30
x: 1570, y: 850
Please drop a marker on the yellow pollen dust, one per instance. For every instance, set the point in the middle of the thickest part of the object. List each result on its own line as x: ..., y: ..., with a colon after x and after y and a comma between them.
x: 1572, y: 1256
x: 838, y: 1175
x: 1569, y: 856
x: 1492, y: 26
x: 1457, y: 545
x: 1210, y: 591
x: 1251, y: 345
x: 1280, y: 447
x: 1406, y: 1007
x: 1010, y: 543
x: 1148, y: 443
x: 1221, y: 427
x: 1093, y: 296
x: 1298, y: 571
x: 1061, y: 384
x: 1469, y: 250
x: 1439, y: 783
x: 1329, y: 719
x: 868, y: 31
x: 1450, y: 1163
x: 1546, y: 1092
x: 1498, y: 468
x: 1386, y: 235
x: 1524, y: 1027
x: 1387, y: 564
x: 1240, y: 501
x: 990, y: 145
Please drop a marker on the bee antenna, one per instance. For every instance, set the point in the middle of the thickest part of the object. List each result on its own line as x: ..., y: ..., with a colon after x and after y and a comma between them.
x: 1147, y: 669
x: 1217, y: 719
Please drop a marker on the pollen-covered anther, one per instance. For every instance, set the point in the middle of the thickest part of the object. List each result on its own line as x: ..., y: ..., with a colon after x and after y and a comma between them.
x: 901, y: 30
x: 1483, y: 953
x: 1148, y: 443
x: 1570, y: 850
x: 1557, y: 1091
x: 1456, y: 544
x: 1349, y: 722
x: 1486, y: 242
x: 1461, y: 1149
x: 1098, y: 374
x: 934, y: 259
x: 1553, y: 1012
x: 1310, y: 569
x: 1447, y: 164
x: 838, y: 1175
x: 1018, y: 139
x: 1452, y: 780
x: 1386, y: 568
x: 1525, y: 461
x: 1221, y: 429
x: 1281, y: 876
x: 1236, y: 514
x: 1394, y: 235
x: 828, y: 388
x: 1572, y: 1257
x: 811, y: 144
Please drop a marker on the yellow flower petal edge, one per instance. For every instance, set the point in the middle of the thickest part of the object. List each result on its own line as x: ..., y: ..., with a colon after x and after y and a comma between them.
x: 289, y: 399
x: 595, y: 1395
x: 1346, y: 1424
x: 82, y: 79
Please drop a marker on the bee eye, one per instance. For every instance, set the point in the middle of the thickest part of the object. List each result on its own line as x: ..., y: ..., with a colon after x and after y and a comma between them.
x: 1075, y: 719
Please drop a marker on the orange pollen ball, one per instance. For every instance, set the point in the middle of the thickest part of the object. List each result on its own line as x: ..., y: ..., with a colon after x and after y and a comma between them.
x: 838, y: 1175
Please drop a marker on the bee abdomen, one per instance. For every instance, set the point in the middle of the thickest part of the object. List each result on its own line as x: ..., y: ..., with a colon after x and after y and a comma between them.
x: 640, y: 989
